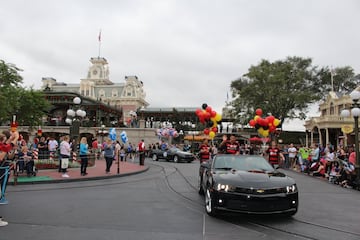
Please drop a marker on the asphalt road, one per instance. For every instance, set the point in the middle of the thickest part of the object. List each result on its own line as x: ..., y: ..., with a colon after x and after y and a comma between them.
x: 163, y: 203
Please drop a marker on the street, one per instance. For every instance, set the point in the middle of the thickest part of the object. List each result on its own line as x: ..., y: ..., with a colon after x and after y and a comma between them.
x: 163, y: 203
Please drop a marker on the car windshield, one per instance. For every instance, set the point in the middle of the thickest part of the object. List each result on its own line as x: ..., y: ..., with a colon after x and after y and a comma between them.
x: 242, y: 162
x: 174, y: 149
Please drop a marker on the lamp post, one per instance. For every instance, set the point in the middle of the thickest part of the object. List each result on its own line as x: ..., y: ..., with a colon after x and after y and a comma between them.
x: 74, y: 117
x: 102, y: 133
x: 355, y: 112
x: 142, y: 119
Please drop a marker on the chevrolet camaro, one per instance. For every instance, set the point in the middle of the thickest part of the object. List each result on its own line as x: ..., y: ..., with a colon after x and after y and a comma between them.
x: 246, y: 184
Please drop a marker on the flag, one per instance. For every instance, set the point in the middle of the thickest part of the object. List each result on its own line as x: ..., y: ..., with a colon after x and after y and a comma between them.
x: 99, y: 36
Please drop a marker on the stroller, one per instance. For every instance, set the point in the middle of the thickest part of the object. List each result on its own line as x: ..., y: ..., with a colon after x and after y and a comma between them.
x: 310, y: 166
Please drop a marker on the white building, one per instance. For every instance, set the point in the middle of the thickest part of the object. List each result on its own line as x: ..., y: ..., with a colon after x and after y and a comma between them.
x: 128, y: 95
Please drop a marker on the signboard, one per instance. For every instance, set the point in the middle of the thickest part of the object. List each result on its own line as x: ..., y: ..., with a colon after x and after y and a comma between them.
x: 347, y: 129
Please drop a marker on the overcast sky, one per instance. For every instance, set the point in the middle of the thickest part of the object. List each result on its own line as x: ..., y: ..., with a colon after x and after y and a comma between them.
x: 187, y: 52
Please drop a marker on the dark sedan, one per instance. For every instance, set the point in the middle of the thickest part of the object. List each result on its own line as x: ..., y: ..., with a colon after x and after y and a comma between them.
x: 246, y: 184
x: 172, y: 154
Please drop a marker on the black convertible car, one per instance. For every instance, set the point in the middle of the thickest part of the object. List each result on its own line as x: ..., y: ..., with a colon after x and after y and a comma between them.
x: 172, y: 154
x: 246, y: 184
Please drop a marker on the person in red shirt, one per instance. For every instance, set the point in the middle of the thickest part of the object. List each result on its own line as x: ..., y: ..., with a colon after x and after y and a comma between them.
x: 204, y: 152
x: 352, y: 156
x: 141, y: 147
x: 230, y: 146
x: 274, y: 154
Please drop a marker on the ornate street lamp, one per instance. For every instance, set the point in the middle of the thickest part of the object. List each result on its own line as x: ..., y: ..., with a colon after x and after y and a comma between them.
x: 102, y: 132
x: 74, y: 117
x: 355, y: 112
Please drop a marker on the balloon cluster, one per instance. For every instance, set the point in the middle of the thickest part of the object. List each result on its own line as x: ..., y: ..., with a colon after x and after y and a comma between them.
x: 167, y: 132
x: 210, y: 118
x: 123, y: 137
x: 112, y: 134
x: 264, y: 126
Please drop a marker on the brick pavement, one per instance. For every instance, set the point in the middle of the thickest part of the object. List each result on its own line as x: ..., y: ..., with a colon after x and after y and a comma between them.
x: 94, y: 173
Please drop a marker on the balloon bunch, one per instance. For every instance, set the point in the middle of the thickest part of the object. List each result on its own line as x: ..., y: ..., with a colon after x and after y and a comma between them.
x: 167, y: 132
x: 210, y: 118
x: 123, y: 137
x: 264, y: 126
x: 112, y: 134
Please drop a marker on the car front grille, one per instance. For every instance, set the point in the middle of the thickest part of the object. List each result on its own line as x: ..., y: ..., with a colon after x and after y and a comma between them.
x: 259, y: 191
x: 259, y: 204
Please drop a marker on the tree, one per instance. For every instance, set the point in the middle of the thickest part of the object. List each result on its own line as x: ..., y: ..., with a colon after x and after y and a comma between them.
x: 343, y: 80
x: 284, y: 89
x: 29, y: 105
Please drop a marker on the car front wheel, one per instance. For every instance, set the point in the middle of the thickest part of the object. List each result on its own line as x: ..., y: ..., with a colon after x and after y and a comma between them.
x: 154, y: 157
x: 209, y: 204
x: 176, y: 159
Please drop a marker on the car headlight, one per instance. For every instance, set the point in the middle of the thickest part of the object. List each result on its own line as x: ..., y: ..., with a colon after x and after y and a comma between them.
x: 291, y: 189
x: 223, y: 187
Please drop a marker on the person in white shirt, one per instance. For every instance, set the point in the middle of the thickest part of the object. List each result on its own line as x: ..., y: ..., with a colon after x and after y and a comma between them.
x: 65, y: 151
x: 292, y: 156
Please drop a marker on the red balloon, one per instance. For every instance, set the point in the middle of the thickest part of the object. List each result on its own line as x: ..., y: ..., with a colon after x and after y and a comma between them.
x: 259, y: 112
x: 261, y: 122
x: 214, y: 129
x: 272, y: 128
x: 197, y: 112
x: 208, y: 109
x: 213, y: 114
x: 207, y: 115
x: 206, y: 131
x: 266, y: 122
x: 252, y: 122
x: 270, y: 118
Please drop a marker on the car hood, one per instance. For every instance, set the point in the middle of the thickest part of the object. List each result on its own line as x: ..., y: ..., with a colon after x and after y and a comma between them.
x: 252, y: 180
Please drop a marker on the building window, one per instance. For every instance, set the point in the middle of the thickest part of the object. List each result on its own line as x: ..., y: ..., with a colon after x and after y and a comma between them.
x: 114, y: 93
x: 331, y: 109
x: 101, y: 93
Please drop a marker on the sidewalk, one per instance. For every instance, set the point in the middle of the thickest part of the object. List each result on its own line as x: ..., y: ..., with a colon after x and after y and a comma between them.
x: 94, y: 173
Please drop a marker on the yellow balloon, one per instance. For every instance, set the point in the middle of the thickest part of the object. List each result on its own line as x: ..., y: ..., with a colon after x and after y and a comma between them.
x: 211, y: 134
x: 217, y: 117
x: 265, y: 133
x: 256, y: 118
x: 214, y: 124
x: 276, y: 122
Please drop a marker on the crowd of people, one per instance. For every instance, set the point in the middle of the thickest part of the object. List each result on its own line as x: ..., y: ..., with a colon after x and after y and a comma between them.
x: 335, y: 165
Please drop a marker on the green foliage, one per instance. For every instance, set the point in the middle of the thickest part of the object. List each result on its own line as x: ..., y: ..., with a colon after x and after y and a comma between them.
x: 29, y: 105
x: 285, y: 88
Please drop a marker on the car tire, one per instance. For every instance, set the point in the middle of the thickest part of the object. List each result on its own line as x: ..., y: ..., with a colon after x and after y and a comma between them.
x: 209, y: 204
x: 155, y: 157
x: 200, y: 189
x: 176, y: 159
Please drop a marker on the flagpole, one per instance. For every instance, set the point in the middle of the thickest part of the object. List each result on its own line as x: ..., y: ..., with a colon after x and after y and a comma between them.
x: 99, y: 38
